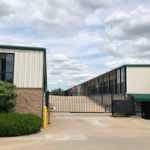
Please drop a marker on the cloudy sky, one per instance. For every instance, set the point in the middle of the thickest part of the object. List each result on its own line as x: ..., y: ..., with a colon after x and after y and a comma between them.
x: 83, y: 37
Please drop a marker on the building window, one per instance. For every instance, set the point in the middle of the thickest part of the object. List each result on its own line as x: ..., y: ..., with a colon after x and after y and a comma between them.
x: 112, y: 82
x: 123, y: 80
x: 6, y: 67
x: 118, y: 81
x: 112, y: 87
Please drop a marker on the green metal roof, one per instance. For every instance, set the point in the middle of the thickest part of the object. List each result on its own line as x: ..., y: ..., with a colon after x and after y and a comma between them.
x: 22, y: 47
x: 141, y: 97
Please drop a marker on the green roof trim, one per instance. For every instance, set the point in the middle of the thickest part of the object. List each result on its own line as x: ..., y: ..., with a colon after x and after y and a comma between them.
x: 137, y: 65
x: 141, y: 97
x: 22, y: 47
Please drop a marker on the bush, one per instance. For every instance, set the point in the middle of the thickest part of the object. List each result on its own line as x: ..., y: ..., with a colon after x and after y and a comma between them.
x: 7, y: 97
x: 15, y: 124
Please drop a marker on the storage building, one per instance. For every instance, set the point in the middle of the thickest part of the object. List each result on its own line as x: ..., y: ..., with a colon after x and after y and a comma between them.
x: 25, y: 67
x: 128, y: 82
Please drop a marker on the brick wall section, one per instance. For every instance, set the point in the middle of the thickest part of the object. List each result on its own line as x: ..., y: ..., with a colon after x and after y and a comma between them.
x: 29, y: 101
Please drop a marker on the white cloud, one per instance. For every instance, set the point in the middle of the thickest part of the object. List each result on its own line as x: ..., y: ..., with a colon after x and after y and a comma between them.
x: 67, y: 70
x: 95, y: 4
x: 117, y: 18
x: 83, y: 37
x: 5, y: 9
x: 130, y: 24
x: 142, y: 44
x: 55, y: 17
x: 127, y: 35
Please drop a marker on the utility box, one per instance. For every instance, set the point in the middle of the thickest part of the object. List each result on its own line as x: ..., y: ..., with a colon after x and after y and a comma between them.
x: 123, y: 107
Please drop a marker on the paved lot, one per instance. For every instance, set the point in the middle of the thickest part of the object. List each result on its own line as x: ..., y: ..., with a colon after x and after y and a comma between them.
x: 86, y: 132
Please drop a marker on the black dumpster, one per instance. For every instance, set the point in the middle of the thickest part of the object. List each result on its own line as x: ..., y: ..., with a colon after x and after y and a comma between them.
x: 145, y: 110
x: 123, y: 108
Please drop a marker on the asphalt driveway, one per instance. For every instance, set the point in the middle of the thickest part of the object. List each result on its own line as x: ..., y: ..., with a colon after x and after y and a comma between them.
x: 86, y: 132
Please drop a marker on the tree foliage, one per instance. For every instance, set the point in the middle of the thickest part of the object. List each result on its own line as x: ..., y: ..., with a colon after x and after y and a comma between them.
x: 7, y: 97
x: 58, y: 91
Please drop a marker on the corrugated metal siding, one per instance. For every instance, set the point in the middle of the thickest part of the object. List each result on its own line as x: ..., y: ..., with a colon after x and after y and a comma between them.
x: 138, y: 80
x: 28, y: 68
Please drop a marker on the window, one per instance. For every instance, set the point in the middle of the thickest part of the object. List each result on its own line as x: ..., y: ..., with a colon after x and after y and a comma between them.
x: 106, y: 84
x: 118, y: 81
x: 112, y: 86
x: 123, y: 80
x: 112, y: 82
x: 6, y: 67
x: 100, y: 86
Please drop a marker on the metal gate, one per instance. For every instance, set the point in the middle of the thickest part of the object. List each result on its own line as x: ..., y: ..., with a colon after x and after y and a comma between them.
x: 79, y: 104
x: 123, y: 108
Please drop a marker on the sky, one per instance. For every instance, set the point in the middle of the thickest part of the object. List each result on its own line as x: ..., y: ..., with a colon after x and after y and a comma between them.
x: 83, y: 38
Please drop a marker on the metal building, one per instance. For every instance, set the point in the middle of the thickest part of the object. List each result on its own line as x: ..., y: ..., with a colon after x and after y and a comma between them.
x: 128, y: 82
x: 25, y: 67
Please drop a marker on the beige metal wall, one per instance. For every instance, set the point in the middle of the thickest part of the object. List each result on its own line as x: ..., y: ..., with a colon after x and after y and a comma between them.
x: 28, y: 68
x: 138, y: 80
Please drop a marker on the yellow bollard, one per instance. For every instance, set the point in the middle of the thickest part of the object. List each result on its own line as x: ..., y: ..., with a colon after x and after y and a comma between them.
x: 45, y: 117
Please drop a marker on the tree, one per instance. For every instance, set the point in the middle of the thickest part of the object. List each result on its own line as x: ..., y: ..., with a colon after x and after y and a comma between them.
x: 58, y: 91
x: 7, y: 97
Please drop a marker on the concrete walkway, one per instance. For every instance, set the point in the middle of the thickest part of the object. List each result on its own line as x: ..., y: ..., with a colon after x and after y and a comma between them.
x: 86, y: 132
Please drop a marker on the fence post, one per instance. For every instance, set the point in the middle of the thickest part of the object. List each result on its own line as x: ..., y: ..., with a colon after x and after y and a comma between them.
x: 48, y: 106
x: 112, y: 111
